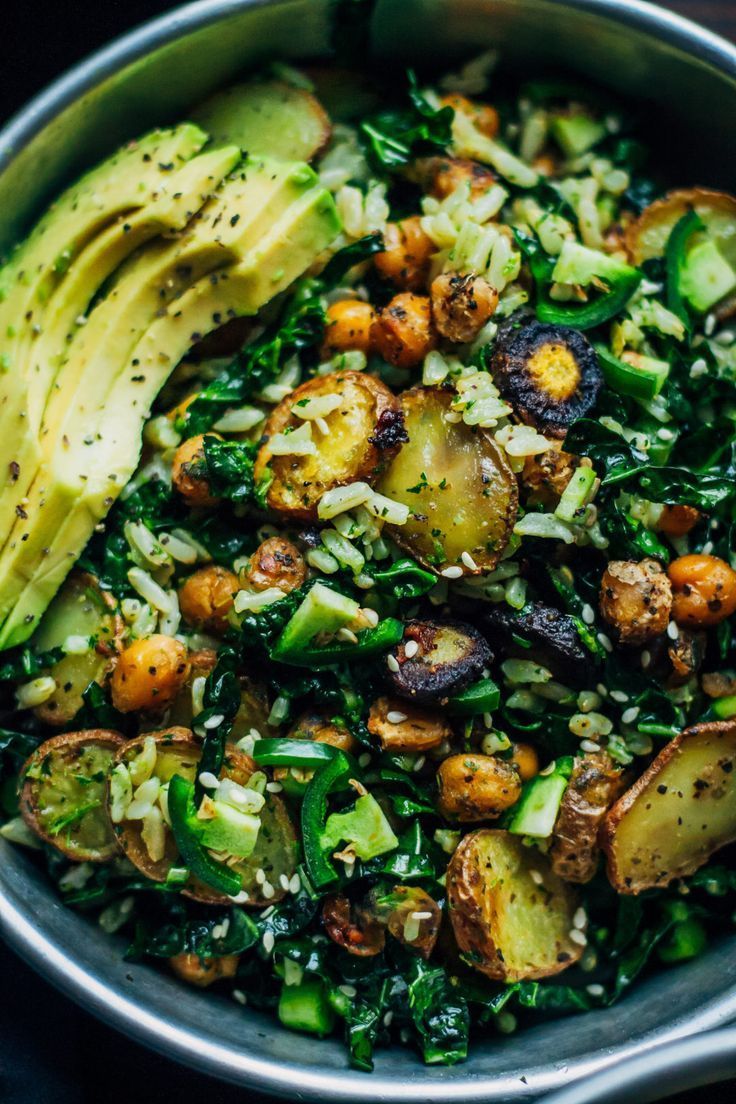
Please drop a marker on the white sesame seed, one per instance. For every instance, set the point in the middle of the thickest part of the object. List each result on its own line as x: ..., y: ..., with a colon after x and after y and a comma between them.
x: 322, y: 426
x: 421, y: 760
x: 239, y: 996
x: 595, y: 990
x: 698, y: 368
x: 707, y: 548
x: 487, y: 720
x: 260, y: 876
x: 709, y: 325
x: 348, y: 990
x: 392, y: 663
x: 589, y: 745
x: 347, y: 635
x: 645, y: 658
x: 394, y: 716
x: 630, y: 715
x: 370, y: 616
x: 672, y: 630
x: 411, y: 648
x: 468, y: 561
x: 619, y: 696
x: 577, y: 937
x: 214, y: 721
x: 267, y: 890
x: 274, y: 787
x: 208, y: 780
x: 604, y: 641
x: 268, y: 941
x: 548, y: 769
x: 295, y: 883
x: 364, y: 759
x: 267, y: 912
x: 388, y: 1018
x: 588, y: 614
x: 284, y: 882
x: 536, y: 877
x: 452, y: 572
x: 580, y: 918
x: 240, y: 898
x: 665, y: 434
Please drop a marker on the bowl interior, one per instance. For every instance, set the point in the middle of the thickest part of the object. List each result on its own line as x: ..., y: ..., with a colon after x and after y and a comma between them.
x: 152, y: 77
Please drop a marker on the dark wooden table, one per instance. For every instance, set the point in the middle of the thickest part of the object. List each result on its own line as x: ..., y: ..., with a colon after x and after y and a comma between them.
x: 50, y: 1051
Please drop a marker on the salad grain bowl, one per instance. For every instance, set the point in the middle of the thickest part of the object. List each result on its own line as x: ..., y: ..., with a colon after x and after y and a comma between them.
x: 367, y: 581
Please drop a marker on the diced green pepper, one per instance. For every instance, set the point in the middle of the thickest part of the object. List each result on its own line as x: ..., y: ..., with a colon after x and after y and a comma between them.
x: 643, y: 380
x: 370, y: 642
x: 333, y: 775
x: 306, y: 1007
x: 674, y: 255
x: 482, y: 696
x: 187, y: 833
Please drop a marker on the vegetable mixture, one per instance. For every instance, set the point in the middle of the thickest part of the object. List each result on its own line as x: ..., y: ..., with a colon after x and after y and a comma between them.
x: 390, y: 684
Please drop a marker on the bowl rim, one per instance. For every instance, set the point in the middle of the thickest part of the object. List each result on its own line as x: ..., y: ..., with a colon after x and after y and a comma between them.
x: 104, y: 1000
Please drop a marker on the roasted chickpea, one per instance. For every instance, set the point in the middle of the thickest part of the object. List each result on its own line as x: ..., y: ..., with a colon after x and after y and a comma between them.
x: 676, y: 521
x: 405, y: 260
x: 402, y: 726
x: 483, y: 116
x: 206, y: 598
x: 275, y: 563
x: 476, y: 787
x: 348, y: 326
x: 318, y: 727
x: 149, y: 674
x: 704, y: 590
x: 461, y: 305
x: 403, y: 332
x: 448, y: 174
x: 545, y: 476
x: 524, y: 757
x: 187, y: 473
x: 204, y: 971
x: 636, y: 599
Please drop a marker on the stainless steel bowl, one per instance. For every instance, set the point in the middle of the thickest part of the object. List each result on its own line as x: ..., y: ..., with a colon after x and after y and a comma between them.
x: 688, y: 78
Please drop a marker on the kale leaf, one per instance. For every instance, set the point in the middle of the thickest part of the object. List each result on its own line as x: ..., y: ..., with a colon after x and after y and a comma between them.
x: 229, y: 468
x: 395, y: 137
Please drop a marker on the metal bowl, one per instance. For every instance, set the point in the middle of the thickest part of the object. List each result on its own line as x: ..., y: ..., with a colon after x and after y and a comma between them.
x: 687, y: 77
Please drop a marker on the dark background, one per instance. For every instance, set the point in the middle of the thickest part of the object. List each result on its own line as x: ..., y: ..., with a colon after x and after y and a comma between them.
x: 50, y: 1051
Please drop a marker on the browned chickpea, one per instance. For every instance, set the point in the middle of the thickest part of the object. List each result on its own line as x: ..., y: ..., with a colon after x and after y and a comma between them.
x: 676, y: 521
x: 403, y: 726
x: 405, y: 260
x: 476, y: 787
x: 149, y: 674
x: 545, y: 476
x: 204, y: 971
x: 275, y: 563
x: 348, y: 326
x: 403, y: 332
x: 318, y: 727
x: 449, y: 173
x: 187, y: 473
x: 704, y: 590
x: 206, y: 598
x: 524, y: 757
x: 636, y: 600
x: 461, y: 305
x: 483, y: 116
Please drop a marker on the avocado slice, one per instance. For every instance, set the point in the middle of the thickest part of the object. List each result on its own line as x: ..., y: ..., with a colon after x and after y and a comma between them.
x: 128, y: 181
x: 706, y: 276
x: 230, y: 830
x: 83, y: 480
x: 229, y: 224
x: 267, y: 118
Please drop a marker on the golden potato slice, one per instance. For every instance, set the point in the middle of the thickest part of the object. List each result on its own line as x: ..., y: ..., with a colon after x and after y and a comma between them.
x: 647, y: 236
x: 363, y: 433
x: 594, y: 786
x: 458, y: 484
x: 62, y: 798
x: 254, y: 707
x: 80, y: 609
x: 178, y: 752
x: 681, y: 810
x: 511, y: 915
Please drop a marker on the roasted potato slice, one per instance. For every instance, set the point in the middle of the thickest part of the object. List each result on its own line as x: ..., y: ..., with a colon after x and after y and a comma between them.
x: 62, y: 797
x: 511, y: 915
x: 647, y: 236
x: 681, y: 810
x: 404, y: 727
x: 254, y: 708
x: 445, y: 657
x: 550, y: 374
x: 178, y: 752
x: 81, y: 609
x: 594, y: 785
x: 364, y: 431
x: 458, y: 485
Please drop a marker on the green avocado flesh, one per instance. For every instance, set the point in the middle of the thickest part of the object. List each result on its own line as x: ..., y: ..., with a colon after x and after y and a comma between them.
x: 260, y: 231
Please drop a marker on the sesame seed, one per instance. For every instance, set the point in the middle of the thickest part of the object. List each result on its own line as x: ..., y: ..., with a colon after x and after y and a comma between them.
x: 388, y: 1018
x: 274, y: 787
x: 240, y: 898
x: 589, y: 745
x: 208, y: 780
x: 602, y: 690
x: 595, y: 990
x: 347, y: 635
x: 665, y: 434
x: 580, y: 918
x: 619, y: 696
x: 239, y: 996
x: 452, y: 572
x: 672, y: 630
x: 604, y: 641
x: 421, y: 760
x: 295, y: 883
x: 588, y: 614
x: 707, y: 548
x: 268, y: 941
x: 392, y: 663
x: 394, y: 716
x: 469, y: 561
x: 577, y: 937
x: 284, y: 882
x: 214, y: 721
x: 267, y: 912
x: 260, y: 876
x: 348, y: 990
x: 630, y: 715
x: 536, y: 877
x: 709, y: 325
x: 645, y: 659
x: 411, y: 648
x: 548, y: 769
x: 487, y: 720
x: 370, y: 616
x: 364, y: 759
x: 698, y: 368
x: 267, y: 890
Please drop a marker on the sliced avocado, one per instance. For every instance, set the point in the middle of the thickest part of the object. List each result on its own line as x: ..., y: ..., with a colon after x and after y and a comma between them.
x: 224, y: 230
x: 230, y: 830
x: 576, y: 133
x: 84, y: 479
x: 267, y: 118
x: 706, y: 276
x: 119, y: 187
x: 364, y: 826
